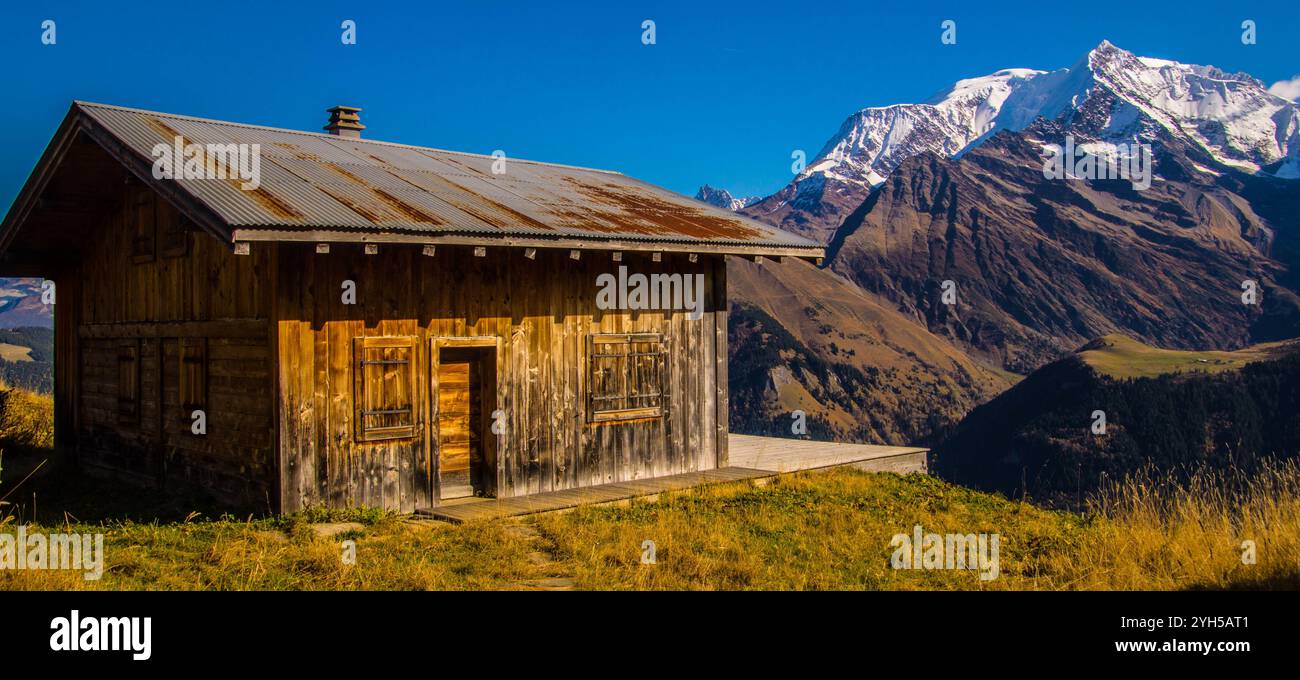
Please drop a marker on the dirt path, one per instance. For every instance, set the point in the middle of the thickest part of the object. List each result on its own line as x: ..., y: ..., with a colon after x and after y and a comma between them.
x: 540, y: 557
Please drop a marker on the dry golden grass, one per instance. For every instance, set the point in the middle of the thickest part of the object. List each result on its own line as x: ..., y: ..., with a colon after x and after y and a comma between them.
x: 26, y: 419
x: 1159, y: 534
x: 26, y: 427
x: 10, y: 352
x: 391, y: 554
x: 826, y: 530
x: 831, y: 530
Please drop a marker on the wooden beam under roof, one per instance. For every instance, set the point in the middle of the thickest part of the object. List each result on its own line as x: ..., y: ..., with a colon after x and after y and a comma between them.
x: 324, y: 236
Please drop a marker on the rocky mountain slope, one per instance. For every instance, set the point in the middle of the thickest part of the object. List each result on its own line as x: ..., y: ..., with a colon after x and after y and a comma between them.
x: 803, y: 338
x: 1041, y: 265
x: 911, y: 196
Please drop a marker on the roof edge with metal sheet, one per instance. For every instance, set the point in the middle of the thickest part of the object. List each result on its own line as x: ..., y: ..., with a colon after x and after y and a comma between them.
x: 326, y: 188
x: 270, y: 128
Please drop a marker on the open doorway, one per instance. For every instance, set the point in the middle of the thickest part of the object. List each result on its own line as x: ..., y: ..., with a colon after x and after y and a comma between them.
x: 465, y: 390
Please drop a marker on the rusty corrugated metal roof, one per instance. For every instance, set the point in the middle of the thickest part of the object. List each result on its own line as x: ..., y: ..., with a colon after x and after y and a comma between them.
x: 316, y: 182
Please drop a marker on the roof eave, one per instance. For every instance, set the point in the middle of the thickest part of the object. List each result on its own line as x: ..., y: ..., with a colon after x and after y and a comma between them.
x: 39, y: 177
x: 77, y: 121
x: 308, y: 235
x: 189, y: 205
x: 80, y: 120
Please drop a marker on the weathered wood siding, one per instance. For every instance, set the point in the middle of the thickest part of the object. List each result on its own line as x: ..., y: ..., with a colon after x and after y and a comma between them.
x: 148, y: 284
x: 540, y: 314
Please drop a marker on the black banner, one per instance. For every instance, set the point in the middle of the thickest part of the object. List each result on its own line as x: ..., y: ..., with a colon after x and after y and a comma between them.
x: 171, y: 630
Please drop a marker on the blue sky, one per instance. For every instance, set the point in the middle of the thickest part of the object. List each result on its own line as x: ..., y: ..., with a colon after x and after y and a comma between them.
x: 728, y: 91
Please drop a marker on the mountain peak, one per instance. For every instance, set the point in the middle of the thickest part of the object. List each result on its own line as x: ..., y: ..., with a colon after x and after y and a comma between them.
x: 723, y: 198
x: 1109, y: 96
x: 1107, y: 56
x: 1107, y: 46
x: 1231, y: 116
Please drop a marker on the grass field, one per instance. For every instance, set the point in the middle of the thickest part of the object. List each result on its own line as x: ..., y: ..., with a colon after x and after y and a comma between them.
x: 817, y: 530
x: 825, y: 530
x: 1121, y: 357
x: 10, y: 352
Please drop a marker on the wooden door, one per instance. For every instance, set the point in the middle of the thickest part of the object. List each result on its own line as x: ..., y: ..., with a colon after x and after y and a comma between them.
x: 460, y: 422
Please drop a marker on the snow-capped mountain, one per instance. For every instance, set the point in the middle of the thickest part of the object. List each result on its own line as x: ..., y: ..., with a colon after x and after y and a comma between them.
x: 1233, y: 117
x: 723, y: 198
x: 1113, y: 94
x: 1110, y: 95
x: 873, y: 141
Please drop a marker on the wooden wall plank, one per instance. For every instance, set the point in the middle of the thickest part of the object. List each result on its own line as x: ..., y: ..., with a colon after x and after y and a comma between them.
x: 542, y: 311
x: 147, y: 295
x: 721, y: 358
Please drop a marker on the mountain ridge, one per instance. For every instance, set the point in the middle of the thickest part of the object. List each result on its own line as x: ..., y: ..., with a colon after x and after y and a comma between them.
x: 1041, y: 265
x: 723, y: 198
x: 1070, y: 426
x: 1115, y: 94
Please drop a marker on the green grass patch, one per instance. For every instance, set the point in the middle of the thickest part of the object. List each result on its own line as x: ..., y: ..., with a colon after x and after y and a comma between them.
x: 1120, y: 357
x: 15, y: 353
x: 823, y: 530
x: 827, y: 530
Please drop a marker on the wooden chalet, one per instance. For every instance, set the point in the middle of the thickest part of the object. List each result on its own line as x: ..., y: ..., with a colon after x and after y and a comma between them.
x: 368, y: 323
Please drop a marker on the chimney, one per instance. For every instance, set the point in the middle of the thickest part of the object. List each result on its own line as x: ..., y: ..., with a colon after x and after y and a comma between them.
x: 345, y: 122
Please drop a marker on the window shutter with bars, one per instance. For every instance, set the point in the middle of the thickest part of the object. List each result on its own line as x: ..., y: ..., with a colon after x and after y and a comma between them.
x: 384, y: 388
x: 625, y: 376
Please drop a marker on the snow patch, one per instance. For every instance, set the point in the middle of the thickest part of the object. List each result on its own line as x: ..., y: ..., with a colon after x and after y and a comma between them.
x: 1231, y: 116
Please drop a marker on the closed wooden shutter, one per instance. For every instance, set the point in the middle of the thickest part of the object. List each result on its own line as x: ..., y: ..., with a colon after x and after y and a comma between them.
x: 128, y: 382
x: 144, y: 221
x: 173, y: 231
x: 625, y: 378
x: 384, y: 388
x: 193, y: 375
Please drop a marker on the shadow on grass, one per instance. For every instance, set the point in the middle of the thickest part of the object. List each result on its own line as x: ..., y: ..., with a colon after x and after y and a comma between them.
x: 40, y: 486
x: 43, y: 488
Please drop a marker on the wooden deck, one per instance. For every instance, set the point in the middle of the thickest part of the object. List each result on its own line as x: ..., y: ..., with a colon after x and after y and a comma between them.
x: 751, y: 457
x: 790, y: 455
x: 466, y: 509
